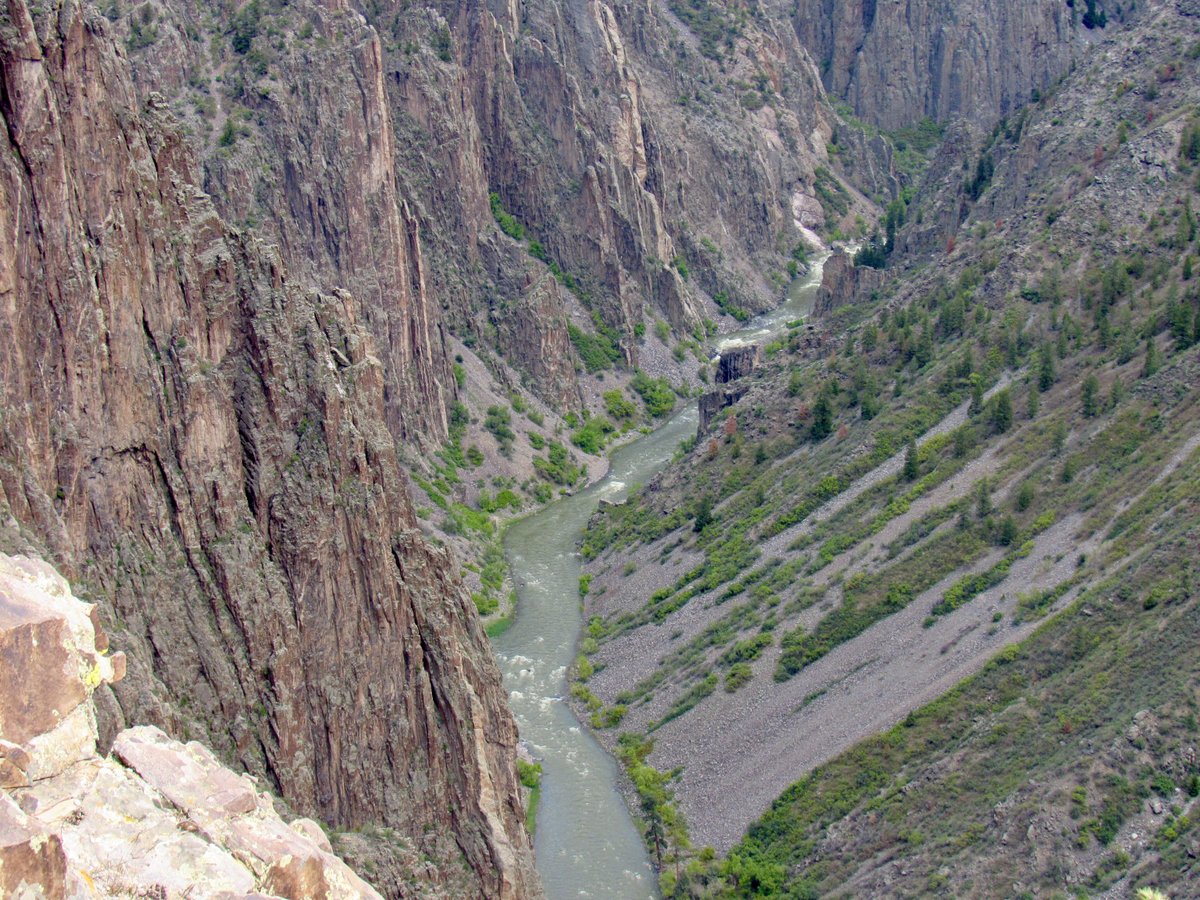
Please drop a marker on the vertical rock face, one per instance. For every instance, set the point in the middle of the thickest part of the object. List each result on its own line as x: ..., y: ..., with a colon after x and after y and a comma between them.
x: 898, y: 61
x: 598, y: 126
x: 320, y: 181
x: 206, y: 446
x: 327, y: 190
x: 652, y: 177
x: 738, y: 362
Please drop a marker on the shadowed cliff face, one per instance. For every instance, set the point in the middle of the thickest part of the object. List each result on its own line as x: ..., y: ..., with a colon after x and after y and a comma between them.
x: 652, y: 176
x: 898, y: 62
x: 205, y: 448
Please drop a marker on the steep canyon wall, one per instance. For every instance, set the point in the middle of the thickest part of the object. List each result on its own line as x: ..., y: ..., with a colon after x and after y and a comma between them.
x: 203, y: 445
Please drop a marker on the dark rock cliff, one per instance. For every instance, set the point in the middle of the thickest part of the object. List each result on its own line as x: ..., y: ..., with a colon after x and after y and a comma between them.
x: 738, y: 362
x: 652, y: 176
x: 898, y: 62
x: 203, y: 446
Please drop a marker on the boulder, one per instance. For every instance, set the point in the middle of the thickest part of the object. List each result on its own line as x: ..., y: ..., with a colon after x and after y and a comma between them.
x: 32, y: 863
x: 160, y: 818
x: 50, y: 665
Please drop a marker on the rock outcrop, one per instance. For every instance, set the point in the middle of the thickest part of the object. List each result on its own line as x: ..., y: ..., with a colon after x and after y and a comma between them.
x: 842, y: 281
x: 158, y: 818
x: 737, y: 362
x: 203, y: 446
x: 899, y: 62
x: 712, y: 402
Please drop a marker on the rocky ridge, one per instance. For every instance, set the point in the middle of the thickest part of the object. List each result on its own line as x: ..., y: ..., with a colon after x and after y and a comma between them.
x: 463, y: 109
x: 157, y: 816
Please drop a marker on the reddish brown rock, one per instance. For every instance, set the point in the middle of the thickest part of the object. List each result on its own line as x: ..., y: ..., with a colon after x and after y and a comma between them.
x: 175, y: 822
x: 49, y: 666
x: 32, y: 863
x: 14, y: 765
x: 189, y: 776
x: 207, y: 447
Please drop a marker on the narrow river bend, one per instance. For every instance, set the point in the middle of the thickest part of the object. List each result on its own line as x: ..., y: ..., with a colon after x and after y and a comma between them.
x: 586, y: 842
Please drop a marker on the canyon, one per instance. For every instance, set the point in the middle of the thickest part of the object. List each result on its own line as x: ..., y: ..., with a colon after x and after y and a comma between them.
x: 305, y: 302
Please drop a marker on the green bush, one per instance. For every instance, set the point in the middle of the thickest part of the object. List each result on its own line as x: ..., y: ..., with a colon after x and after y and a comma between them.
x: 618, y: 405
x: 738, y: 676
x: 597, y: 351
x: 656, y: 394
x: 499, y: 423
x: 593, y: 435
x: 557, y: 467
x: 507, y: 223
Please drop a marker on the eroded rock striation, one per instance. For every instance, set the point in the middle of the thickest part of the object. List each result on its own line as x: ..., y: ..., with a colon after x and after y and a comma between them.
x: 644, y: 174
x: 842, y: 282
x: 899, y: 62
x: 204, y: 446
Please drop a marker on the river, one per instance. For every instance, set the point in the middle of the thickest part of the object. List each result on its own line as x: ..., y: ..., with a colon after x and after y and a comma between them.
x: 586, y: 842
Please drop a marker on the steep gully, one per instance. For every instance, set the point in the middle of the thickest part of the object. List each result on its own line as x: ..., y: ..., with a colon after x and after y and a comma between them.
x: 586, y: 844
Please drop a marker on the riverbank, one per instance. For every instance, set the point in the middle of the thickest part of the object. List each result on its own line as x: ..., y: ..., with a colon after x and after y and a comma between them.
x: 586, y: 841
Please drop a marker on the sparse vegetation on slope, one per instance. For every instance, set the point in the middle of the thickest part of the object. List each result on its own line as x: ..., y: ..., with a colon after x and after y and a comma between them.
x: 960, y: 454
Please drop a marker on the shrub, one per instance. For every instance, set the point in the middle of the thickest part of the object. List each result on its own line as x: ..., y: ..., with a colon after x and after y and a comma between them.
x: 656, y: 394
x: 597, y: 351
x: 557, y: 467
x: 507, y: 223
x: 529, y: 773
x: 593, y: 435
x: 618, y: 405
x: 499, y: 423
x: 738, y: 676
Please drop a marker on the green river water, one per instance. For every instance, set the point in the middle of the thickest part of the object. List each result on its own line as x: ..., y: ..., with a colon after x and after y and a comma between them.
x: 587, y: 844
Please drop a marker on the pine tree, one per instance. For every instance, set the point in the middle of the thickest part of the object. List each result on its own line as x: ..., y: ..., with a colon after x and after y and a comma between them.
x: 1024, y: 496
x: 822, y: 424
x: 976, y: 393
x: 964, y: 441
x: 1091, y: 396
x: 1152, y: 360
x: 1046, y: 370
x: 983, y: 500
x: 1186, y: 232
x: 911, y: 469
x: 1002, y: 411
x: 1007, y: 535
x: 1116, y: 394
x: 1179, y: 317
